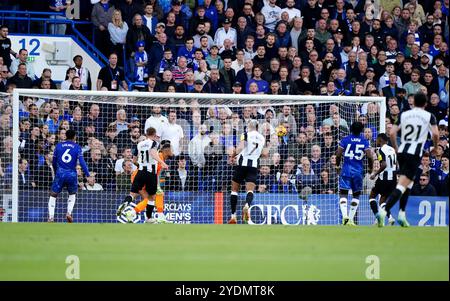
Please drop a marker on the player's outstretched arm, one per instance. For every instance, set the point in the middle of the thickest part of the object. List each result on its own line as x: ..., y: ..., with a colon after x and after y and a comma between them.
x: 84, y: 165
x: 55, y: 159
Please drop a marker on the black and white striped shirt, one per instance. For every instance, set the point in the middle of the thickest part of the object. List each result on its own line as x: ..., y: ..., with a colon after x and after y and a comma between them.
x: 145, y: 160
x: 254, y: 144
x: 388, y: 155
x: 415, y: 125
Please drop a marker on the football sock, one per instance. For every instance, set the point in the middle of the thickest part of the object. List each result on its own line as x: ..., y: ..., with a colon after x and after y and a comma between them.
x: 373, y: 206
x: 353, y: 207
x: 141, y: 206
x: 404, y: 199
x: 51, y: 207
x: 150, y: 208
x: 71, y: 203
x: 401, y: 214
x: 249, y: 198
x: 233, y: 201
x: 159, y: 201
x: 343, y: 206
x: 382, y: 206
x: 394, y: 197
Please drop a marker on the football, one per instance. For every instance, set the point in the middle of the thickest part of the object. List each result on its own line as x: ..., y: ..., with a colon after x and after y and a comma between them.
x: 281, y: 131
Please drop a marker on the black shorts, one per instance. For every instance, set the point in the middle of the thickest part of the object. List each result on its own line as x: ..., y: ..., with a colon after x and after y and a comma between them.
x: 145, y: 179
x: 384, y: 187
x: 409, y: 165
x: 245, y: 174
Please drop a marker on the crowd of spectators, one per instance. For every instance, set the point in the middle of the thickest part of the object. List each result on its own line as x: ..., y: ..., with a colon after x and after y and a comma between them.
x: 278, y: 47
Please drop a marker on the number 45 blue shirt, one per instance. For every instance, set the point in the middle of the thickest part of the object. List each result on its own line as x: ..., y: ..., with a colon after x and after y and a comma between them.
x: 354, y: 150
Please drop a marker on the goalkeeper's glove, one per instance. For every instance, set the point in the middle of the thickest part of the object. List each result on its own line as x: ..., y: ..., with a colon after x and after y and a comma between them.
x: 159, y: 190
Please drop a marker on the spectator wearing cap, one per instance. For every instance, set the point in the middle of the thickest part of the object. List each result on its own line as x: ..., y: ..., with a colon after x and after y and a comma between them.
x: 181, y: 18
x: 225, y: 32
x: 425, y: 63
x: 140, y: 63
x: 198, y: 86
x: 237, y: 88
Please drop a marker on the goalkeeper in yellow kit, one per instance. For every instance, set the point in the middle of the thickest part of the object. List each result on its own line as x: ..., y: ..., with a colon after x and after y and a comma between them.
x: 165, y: 152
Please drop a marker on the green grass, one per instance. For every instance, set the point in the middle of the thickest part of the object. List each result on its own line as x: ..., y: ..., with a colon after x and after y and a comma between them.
x: 221, y: 252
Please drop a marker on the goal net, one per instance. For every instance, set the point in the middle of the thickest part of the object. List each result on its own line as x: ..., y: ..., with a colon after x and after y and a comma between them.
x: 297, y: 184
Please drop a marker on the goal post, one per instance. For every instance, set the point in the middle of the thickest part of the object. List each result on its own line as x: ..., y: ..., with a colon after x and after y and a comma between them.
x: 111, y: 122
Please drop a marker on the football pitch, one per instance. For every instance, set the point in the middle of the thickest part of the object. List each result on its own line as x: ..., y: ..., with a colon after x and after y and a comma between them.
x: 39, y: 251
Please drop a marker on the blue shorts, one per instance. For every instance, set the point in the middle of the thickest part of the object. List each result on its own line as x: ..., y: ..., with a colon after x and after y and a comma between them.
x: 353, y: 183
x: 67, y: 179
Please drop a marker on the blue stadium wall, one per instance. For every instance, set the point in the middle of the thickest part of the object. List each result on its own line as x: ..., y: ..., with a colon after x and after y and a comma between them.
x: 210, y: 208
